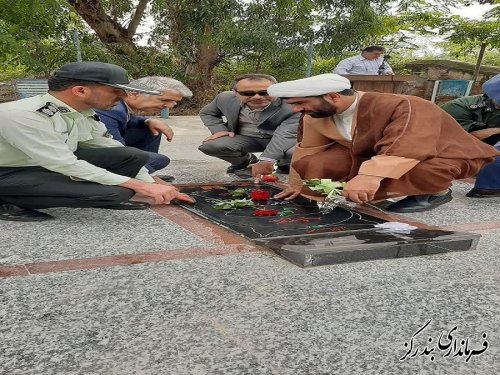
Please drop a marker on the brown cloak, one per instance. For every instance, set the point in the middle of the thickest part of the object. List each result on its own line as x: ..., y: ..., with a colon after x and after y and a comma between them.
x: 415, y: 145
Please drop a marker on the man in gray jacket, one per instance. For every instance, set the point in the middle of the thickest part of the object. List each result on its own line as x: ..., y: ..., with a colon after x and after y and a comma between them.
x: 248, y: 120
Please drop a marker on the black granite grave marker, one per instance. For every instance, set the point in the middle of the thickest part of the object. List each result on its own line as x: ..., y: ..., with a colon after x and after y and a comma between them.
x: 306, y: 237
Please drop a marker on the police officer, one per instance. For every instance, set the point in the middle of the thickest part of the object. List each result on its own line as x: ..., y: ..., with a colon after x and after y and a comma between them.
x: 54, y: 151
x: 480, y: 116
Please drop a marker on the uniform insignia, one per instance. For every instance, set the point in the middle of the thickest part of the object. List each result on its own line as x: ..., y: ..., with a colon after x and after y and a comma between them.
x: 63, y: 109
x: 50, y: 109
x: 96, y: 117
x: 473, y: 106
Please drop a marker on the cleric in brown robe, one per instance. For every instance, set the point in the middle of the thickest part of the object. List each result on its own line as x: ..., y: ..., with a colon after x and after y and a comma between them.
x: 383, y: 145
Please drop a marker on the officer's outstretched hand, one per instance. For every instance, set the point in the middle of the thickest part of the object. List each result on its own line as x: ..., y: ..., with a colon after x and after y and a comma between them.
x: 160, y: 193
x: 163, y: 194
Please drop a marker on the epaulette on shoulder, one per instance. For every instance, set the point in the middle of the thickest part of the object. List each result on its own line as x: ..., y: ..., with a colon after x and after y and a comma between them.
x: 49, y: 109
x: 478, y: 105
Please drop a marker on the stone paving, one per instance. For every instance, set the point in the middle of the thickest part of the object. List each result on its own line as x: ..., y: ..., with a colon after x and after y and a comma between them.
x: 165, y: 292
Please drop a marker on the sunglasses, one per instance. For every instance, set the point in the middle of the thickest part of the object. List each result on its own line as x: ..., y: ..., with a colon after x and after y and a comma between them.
x: 253, y: 93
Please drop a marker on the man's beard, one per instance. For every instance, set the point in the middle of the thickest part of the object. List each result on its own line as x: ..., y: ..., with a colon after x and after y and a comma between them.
x: 320, y: 114
x: 325, y: 110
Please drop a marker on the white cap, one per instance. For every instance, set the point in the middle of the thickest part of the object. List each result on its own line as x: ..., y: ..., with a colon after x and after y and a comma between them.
x: 312, y: 86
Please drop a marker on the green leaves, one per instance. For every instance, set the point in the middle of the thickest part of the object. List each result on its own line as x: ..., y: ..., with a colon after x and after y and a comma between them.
x: 325, y: 186
x: 240, y: 192
x: 232, y: 204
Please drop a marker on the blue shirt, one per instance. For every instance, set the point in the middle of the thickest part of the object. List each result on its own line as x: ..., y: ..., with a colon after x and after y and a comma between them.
x: 359, y: 65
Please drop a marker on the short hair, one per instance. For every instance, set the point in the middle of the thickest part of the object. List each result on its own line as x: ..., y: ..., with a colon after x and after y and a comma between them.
x: 373, y: 48
x: 61, y: 84
x: 253, y: 77
x: 157, y: 83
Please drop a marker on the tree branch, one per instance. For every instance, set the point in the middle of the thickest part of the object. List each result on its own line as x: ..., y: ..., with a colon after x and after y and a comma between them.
x: 108, y: 30
x: 137, y: 17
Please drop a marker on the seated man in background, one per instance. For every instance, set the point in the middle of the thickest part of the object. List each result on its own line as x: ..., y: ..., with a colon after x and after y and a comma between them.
x: 143, y: 132
x: 383, y: 145
x: 480, y: 116
x: 54, y: 151
x: 370, y: 62
x: 248, y: 120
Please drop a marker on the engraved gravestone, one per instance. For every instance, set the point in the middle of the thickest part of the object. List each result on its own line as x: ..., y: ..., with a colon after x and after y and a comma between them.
x: 299, y: 232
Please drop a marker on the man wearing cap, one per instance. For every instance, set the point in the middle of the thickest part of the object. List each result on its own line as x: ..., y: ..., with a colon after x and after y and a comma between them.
x: 383, y: 145
x: 54, y: 151
x: 248, y: 120
x: 144, y: 132
x: 480, y: 116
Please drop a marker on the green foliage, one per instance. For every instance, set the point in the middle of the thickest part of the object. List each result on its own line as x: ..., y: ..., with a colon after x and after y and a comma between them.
x: 239, y: 193
x: 469, y: 54
x: 349, y: 25
x: 12, y: 71
x: 192, y: 39
x: 192, y: 24
x: 37, y: 43
x: 470, y: 33
x: 35, y: 46
x: 325, y: 186
x: 233, y: 203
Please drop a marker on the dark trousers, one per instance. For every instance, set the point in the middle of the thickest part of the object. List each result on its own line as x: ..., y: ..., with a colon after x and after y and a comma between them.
x: 37, y: 187
x: 427, y: 177
x: 237, y: 149
x: 489, y: 176
x: 143, y: 139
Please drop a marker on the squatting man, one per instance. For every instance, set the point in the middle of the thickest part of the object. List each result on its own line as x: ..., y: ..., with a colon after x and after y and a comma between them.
x: 54, y: 151
x: 383, y: 145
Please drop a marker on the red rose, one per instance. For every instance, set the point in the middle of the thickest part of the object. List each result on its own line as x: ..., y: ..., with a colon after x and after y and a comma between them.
x: 265, y: 212
x: 259, y: 195
x: 269, y: 178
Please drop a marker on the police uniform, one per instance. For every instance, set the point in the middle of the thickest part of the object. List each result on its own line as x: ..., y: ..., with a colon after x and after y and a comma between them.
x: 52, y: 155
x: 474, y: 112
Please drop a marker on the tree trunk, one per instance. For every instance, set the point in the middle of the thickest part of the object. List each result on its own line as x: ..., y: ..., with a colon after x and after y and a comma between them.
x: 197, y: 54
x: 108, y: 30
x: 478, y: 62
x: 137, y: 17
x: 201, y: 71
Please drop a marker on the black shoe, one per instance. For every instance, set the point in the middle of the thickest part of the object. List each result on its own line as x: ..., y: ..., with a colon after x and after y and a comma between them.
x: 418, y: 203
x: 165, y: 177
x: 243, y: 173
x: 283, y: 169
x: 483, y: 193
x: 236, y: 167
x: 10, y: 212
x: 129, y: 205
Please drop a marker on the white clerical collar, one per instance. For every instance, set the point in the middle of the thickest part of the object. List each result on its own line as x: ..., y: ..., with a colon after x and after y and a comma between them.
x: 349, y: 111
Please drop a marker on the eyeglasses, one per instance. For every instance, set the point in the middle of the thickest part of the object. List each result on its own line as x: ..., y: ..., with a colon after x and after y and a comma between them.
x: 253, y: 93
